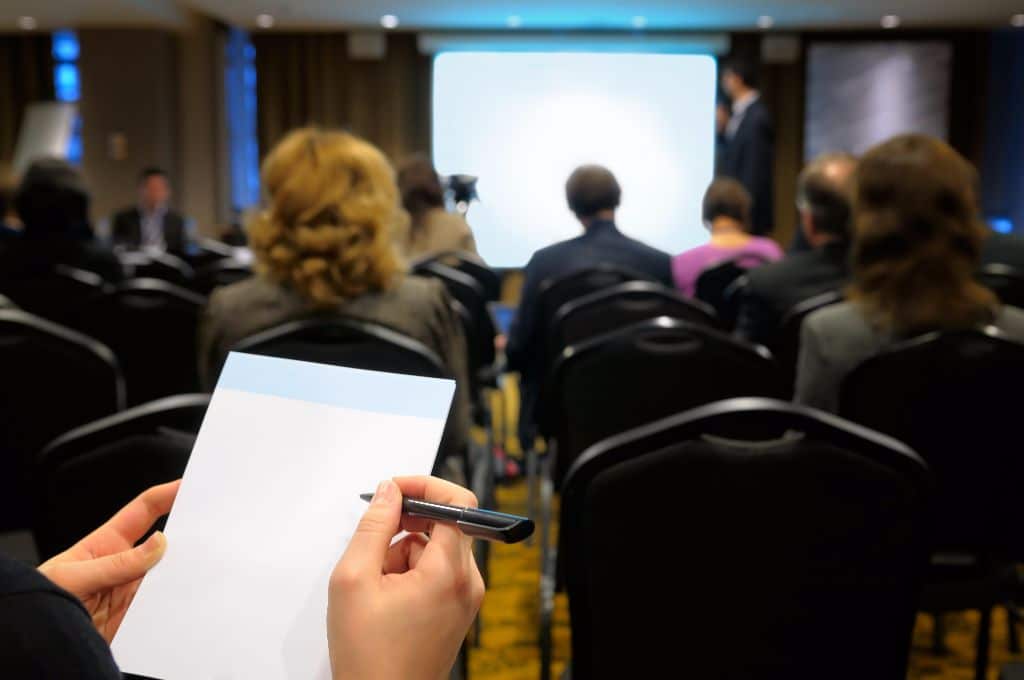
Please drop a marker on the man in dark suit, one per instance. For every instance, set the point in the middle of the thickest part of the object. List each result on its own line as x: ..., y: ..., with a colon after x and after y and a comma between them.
x: 749, y: 152
x: 823, y: 200
x: 593, y: 195
x: 152, y: 223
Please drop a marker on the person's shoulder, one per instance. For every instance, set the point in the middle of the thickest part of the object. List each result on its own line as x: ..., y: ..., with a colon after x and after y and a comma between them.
x: 255, y: 291
x: 839, y: 318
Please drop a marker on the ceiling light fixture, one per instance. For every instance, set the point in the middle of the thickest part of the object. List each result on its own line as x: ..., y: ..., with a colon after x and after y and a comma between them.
x: 639, y: 22
x: 27, y: 23
x: 890, y: 21
x: 264, y: 20
x: 765, y: 22
x: 514, y: 21
x: 389, y: 21
x: 1017, y: 20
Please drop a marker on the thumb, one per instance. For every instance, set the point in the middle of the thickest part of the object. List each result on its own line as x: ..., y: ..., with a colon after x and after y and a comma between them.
x: 368, y: 548
x: 91, y: 576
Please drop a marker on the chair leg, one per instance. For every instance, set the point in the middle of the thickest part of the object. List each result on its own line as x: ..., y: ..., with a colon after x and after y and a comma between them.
x: 531, y: 485
x: 984, y: 633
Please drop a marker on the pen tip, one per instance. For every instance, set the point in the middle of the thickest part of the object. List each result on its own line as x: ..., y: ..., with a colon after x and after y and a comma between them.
x: 366, y: 497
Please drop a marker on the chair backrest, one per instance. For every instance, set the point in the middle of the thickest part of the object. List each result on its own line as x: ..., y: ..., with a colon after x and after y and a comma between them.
x: 645, y: 372
x: 58, y: 295
x: 86, y: 475
x: 621, y: 305
x: 222, y: 272
x: 54, y: 379
x: 152, y: 326
x: 786, y: 345
x: 163, y: 266
x: 468, y: 264
x: 469, y: 293
x: 719, y: 286
x: 685, y: 542
x: 1005, y: 281
x: 954, y: 397
x: 5, y: 303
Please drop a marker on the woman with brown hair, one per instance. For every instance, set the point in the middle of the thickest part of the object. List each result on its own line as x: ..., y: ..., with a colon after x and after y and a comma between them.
x: 431, y: 228
x: 323, y: 246
x: 917, y: 239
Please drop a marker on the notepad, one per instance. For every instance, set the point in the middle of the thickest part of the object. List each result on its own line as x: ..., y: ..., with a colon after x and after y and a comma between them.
x: 268, y: 504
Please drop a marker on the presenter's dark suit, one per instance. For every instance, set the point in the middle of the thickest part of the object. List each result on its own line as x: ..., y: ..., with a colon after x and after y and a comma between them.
x: 601, y: 244
x: 126, y: 230
x: 774, y: 289
x: 748, y: 157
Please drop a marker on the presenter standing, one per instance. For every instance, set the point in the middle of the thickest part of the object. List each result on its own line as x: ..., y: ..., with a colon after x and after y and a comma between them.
x: 749, y: 151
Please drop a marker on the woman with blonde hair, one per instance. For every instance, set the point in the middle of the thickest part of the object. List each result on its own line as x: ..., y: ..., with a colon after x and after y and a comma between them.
x: 323, y: 246
x: 917, y: 240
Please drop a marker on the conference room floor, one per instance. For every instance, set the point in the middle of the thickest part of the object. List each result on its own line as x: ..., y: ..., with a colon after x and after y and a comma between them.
x: 508, y: 647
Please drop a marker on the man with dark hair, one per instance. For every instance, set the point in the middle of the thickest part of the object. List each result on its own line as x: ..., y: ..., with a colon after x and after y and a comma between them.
x: 749, y: 149
x: 823, y: 201
x: 593, y: 195
x: 151, y: 223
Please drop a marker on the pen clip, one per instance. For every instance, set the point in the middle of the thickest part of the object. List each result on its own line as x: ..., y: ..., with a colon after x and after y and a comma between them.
x: 514, y: 531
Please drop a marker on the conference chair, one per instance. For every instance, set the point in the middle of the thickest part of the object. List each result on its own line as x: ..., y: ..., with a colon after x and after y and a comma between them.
x: 786, y: 345
x: 619, y: 306
x: 222, y: 272
x: 1005, y: 281
x: 206, y: 251
x: 54, y: 379
x: 58, y: 295
x: 953, y: 397
x: 720, y: 286
x: 152, y: 326
x: 156, y: 265
x: 468, y: 264
x: 749, y: 538
x: 86, y: 475
x: 6, y: 303
x: 353, y: 343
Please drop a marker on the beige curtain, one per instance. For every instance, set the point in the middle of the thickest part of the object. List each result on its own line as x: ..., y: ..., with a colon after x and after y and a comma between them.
x: 26, y: 76
x: 305, y: 79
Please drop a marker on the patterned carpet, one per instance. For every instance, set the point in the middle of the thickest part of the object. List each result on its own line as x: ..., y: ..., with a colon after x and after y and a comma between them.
x: 508, y: 643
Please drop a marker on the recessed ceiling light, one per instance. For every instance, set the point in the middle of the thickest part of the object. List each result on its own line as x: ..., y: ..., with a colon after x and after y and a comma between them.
x: 1017, y: 20
x: 890, y: 21
x: 389, y: 21
x: 765, y: 21
x: 264, y: 20
x: 27, y: 23
x: 639, y: 22
x: 514, y: 21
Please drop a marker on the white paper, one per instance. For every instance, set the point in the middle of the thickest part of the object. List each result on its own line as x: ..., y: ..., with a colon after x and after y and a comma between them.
x: 267, y: 506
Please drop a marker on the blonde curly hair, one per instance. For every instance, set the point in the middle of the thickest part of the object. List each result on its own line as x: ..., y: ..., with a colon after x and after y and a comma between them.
x: 332, y: 205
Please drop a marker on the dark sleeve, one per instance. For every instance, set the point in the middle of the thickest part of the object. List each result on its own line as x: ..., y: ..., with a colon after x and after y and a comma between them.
x: 523, y: 335
x: 45, y: 635
x: 119, y: 227
x: 757, y: 321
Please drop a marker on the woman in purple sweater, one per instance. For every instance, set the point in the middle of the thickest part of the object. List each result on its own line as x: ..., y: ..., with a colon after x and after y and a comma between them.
x: 727, y: 217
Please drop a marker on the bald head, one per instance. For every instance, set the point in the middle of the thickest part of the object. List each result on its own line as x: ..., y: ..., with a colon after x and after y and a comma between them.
x: 823, y: 197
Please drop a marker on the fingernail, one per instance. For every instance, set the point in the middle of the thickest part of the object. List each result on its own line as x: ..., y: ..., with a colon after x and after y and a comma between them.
x: 385, y: 492
x: 154, y: 543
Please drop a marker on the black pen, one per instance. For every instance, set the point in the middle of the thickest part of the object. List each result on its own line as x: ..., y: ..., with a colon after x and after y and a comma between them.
x: 485, y: 524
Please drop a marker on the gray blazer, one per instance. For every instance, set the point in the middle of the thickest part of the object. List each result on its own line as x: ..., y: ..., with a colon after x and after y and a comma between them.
x: 834, y: 340
x: 417, y: 307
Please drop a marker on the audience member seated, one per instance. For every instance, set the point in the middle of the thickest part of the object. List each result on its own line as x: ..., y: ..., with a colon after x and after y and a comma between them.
x: 152, y: 224
x: 727, y: 216
x: 593, y: 195
x: 57, y: 621
x: 53, y: 205
x: 323, y: 246
x: 432, y: 229
x: 917, y: 240
x: 774, y: 289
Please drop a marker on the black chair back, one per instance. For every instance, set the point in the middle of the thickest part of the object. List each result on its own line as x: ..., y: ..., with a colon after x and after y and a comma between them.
x: 786, y: 345
x: 163, y: 266
x: 954, y: 397
x: 222, y: 272
x: 5, y: 303
x: 686, y: 542
x: 645, y: 372
x: 205, y: 251
x: 152, y: 326
x: 1005, y: 281
x: 719, y: 286
x: 468, y: 264
x: 88, y: 474
x: 58, y: 295
x: 622, y: 305
x: 54, y: 379
x: 470, y: 294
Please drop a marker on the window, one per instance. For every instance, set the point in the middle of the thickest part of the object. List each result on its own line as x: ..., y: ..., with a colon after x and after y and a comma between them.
x: 240, y: 105
x: 66, y: 83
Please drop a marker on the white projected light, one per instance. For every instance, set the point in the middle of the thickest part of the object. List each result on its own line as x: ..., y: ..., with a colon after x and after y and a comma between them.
x: 521, y: 121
